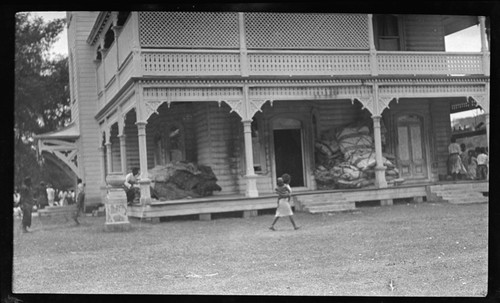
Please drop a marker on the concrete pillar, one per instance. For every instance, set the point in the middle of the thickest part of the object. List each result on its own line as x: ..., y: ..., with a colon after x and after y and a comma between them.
x: 251, y: 190
x: 144, y: 181
x: 380, y: 181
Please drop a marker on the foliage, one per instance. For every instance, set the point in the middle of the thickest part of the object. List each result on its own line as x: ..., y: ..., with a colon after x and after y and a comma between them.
x: 41, y: 95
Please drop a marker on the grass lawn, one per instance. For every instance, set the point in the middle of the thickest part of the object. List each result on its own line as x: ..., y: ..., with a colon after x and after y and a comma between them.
x: 425, y: 249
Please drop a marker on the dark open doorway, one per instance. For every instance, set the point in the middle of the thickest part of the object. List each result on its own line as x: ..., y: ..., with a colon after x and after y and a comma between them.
x: 288, y: 155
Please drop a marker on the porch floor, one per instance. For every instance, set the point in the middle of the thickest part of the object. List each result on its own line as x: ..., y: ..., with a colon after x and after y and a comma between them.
x: 204, y: 207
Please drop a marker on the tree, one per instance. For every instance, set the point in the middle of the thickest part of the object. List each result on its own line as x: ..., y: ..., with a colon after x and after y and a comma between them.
x: 41, y: 98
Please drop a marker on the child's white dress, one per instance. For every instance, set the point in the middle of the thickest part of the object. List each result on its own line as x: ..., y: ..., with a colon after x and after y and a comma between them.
x: 284, y: 209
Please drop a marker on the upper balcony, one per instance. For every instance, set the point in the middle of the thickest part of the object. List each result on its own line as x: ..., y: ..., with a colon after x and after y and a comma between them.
x: 142, y: 48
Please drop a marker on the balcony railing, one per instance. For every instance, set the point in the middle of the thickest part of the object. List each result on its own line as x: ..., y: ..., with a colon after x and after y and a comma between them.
x: 207, y: 63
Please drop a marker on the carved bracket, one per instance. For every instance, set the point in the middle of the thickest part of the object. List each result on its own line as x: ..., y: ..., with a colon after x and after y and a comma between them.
x: 152, y: 108
x: 255, y: 106
x: 367, y: 103
x: 483, y: 101
x: 383, y: 102
x: 236, y: 106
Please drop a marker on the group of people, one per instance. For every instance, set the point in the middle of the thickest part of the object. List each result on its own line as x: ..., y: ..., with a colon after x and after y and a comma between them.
x: 463, y: 163
x: 29, y: 198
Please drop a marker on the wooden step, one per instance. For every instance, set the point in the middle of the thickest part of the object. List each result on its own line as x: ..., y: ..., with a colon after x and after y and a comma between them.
x: 468, y: 201
x: 450, y: 194
x: 331, y: 208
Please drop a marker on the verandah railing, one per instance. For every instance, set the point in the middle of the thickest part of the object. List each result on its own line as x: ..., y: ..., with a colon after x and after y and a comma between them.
x: 234, y: 63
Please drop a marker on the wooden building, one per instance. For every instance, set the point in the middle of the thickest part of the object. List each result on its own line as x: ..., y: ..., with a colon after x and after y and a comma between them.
x: 249, y: 93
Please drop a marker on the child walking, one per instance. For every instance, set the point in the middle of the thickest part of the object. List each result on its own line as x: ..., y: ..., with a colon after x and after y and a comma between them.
x: 283, y: 210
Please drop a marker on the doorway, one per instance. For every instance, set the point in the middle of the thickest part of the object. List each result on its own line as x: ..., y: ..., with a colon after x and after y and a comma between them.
x: 288, y: 155
x: 410, y: 148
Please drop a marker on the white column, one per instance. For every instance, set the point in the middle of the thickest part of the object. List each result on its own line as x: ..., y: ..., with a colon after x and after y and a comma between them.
x: 103, y: 165
x: 109, y: 155
x: 144, y: 182
x: 123, y: 152
x: 380, y: 181
x: 250, y: 176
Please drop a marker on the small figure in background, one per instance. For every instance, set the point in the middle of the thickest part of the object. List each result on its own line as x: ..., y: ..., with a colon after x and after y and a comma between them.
x: 26, y: 203
x: 80, y: 200
x: 482, y: 164
x: 50, y: 194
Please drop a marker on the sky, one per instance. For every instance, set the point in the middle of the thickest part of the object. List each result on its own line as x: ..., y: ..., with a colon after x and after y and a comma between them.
x: 467, y: 40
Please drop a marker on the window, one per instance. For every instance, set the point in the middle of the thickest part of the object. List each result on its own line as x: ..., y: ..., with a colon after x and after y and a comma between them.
x: 387, y: 32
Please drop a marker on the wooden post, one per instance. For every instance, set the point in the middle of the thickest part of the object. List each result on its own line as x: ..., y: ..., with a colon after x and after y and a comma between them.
x: 243, y: 46
x: 484, y: 47
x: 373, y: 51
x: 380, y: 180
x: 109, y: 155
x: 251, y: 190
x: 144, y: 181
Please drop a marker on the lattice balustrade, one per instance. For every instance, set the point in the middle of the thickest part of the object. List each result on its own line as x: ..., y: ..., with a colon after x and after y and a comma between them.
x: 189, y: 29
x: 172, y: 63
x: 308, y: 64
x: 428, y: 63
x: 465, y: 64
x: 306, y: 31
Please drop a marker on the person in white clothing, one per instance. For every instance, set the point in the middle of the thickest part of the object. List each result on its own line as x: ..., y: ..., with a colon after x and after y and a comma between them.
x: 50, y: 194
x: 130, y: 180
x: 482, y: 165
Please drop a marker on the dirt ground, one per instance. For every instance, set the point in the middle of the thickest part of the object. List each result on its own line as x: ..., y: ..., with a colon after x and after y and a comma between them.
x: 424, y: 249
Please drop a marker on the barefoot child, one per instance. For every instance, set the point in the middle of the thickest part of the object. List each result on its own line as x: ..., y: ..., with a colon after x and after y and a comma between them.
x: 283, y: 210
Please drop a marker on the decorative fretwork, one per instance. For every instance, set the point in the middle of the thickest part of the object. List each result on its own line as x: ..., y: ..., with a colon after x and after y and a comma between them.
x: 236, y: 106
x: 481, y: 100
x: 425, y: 89
x: 191, y: 93
x: 195, y: 64
x: 300, y: 63
x: 306, y: 31
x: 255, y: 106
x: 368, y: 104
x: 308, y: 92
x: 152, y: 107
x: 189, y: 29
x: 383, y: 102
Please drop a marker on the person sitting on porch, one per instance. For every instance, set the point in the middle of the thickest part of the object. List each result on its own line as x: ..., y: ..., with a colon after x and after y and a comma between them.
x: 130, y: 180
x: 482, y: 165
x: 455, y: 163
